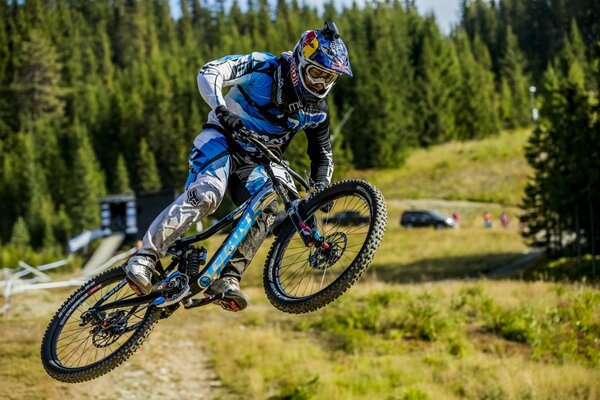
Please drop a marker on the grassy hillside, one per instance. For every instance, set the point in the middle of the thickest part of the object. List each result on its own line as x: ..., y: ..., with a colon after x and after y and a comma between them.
x: 490, y: 170
x: 423, y: 323
x: 445, y: 340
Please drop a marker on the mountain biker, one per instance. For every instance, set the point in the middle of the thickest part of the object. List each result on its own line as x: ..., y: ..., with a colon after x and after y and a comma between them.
x: 273, y: 96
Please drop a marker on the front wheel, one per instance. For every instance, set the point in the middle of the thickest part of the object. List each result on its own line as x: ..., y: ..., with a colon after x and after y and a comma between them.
x: 79, y: 345
x: 300, y: 279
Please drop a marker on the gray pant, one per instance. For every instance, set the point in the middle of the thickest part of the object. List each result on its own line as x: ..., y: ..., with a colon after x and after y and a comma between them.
x: 213, y: 168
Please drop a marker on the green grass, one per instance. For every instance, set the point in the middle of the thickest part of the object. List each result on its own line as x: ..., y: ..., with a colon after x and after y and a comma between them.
x: 490, y: 170
x: 443, y: 340
x: 435, y: 341
x: 412, y: 328
x: 565, y: 269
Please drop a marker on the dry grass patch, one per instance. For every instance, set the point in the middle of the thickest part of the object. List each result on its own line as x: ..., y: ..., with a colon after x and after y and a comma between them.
x: 489, y: 170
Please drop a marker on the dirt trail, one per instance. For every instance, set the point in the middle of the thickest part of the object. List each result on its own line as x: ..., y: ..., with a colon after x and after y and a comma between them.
x: 170, y: 364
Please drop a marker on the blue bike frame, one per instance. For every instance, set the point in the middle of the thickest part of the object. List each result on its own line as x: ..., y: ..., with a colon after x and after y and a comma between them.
x: 250, y: 211
x: 246, y: 214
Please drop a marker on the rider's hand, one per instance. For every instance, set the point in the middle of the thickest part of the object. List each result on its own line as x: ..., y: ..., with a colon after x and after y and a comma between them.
x: 230, y: 120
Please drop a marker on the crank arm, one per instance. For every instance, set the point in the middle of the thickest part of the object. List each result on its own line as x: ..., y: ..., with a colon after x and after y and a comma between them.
x: 193, y: 303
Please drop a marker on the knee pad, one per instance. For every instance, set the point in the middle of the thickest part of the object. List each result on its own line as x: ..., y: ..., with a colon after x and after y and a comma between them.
x: 205, y: 196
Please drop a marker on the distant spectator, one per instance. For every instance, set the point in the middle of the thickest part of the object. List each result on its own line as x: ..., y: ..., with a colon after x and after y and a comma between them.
x: 504, y: 220
x: 487, y: 219
x: 456, y: 218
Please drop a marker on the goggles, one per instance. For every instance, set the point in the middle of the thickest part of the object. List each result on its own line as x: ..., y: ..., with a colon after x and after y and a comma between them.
x: 320, y: 75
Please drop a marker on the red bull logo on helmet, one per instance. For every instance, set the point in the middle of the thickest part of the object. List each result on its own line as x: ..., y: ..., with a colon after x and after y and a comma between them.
x: 310, y: 44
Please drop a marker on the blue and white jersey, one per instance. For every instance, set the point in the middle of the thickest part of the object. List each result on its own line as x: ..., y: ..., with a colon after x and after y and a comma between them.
x: 257, y: 96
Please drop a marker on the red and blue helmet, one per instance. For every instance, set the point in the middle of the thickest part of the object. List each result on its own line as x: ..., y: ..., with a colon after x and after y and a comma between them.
x: 321, y: 58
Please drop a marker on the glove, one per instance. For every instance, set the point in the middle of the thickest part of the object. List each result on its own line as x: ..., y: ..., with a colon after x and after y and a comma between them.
x: 230, y: 120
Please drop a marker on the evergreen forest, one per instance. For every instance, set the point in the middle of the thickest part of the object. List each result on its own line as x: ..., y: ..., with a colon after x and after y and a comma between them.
x: 100, y: 97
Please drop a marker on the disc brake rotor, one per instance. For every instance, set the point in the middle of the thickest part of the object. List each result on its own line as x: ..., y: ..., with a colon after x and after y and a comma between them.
x: 109, y: 330
x: 321, y: 259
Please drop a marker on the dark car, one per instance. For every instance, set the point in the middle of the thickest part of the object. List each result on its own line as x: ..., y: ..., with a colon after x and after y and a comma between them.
x: 424, y: 218
x: 347, y: 218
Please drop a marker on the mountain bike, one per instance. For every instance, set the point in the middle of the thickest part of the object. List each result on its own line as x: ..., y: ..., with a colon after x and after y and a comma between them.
x: 315, y: 257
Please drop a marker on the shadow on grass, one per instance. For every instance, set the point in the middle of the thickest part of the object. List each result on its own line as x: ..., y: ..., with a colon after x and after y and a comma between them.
x: 435, y: 269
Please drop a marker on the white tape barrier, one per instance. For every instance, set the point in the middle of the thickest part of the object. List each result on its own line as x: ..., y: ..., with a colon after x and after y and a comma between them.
x: 15, y: 283
x: 28, y: 269
x: 50, y: 285
x: 110, y: 262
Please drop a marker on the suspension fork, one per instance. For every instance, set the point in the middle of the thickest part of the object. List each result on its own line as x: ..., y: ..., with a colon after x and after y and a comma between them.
x: 310, y: 236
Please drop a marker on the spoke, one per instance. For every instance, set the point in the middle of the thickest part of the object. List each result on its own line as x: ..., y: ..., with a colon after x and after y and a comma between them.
x: 75, y: 346
x: 295, y: 254
x: 283, y: 268
x: 323, y: 278
x: 77, y: 333
x: 96, y: 354
x: 75, y: 350
x: 293, y: 274
x: 356, y: 229
x: 296, y: 275
x: 302, y: 278
x: 84, y: 352
x: 72, y: 341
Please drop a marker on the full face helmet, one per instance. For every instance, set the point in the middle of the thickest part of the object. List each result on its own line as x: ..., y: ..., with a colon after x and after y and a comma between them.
x: 320, y: 57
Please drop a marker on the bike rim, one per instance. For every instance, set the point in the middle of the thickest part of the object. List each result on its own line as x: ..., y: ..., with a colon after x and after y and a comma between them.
x: 300, y: 274
x: 78, y: 346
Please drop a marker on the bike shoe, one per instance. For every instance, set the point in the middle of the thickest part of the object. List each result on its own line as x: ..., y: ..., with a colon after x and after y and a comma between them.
x: 139, y: 271
x: 234, y: 300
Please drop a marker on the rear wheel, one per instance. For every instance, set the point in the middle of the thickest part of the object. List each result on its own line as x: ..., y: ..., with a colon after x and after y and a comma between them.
x: 79, y: 346
x: 299, y: 279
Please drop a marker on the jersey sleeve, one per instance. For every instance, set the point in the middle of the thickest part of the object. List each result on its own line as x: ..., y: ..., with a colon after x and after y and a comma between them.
x: 225, y: 71
x: 320, y: 150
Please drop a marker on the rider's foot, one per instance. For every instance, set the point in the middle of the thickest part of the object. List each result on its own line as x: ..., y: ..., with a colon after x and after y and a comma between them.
x: 139, y: 270
x: 235, y: 299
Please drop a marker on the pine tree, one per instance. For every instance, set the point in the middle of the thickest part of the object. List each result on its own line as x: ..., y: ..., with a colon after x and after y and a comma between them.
x: 120, y: 182
x: 20, y: 236
x: 87, y: 184
x: 128, y: 30
x: 48, y: 222
x: 476, y: 101
x: 37, y: 85
x: 377, y: 90
x: 512, y: 71
x: 573, y: 60
x: 563, y: 152
x: 438, y: 79
x: 148, y: 179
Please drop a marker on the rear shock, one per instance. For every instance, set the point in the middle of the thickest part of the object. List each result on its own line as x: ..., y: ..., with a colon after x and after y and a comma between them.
x: 195, y: 258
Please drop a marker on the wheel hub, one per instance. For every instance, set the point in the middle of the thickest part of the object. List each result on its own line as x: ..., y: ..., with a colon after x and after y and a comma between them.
x: 109, y: 330
x: 326, y: 255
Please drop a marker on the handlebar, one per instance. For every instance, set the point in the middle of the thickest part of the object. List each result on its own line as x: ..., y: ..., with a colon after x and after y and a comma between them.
x: 250, y: 137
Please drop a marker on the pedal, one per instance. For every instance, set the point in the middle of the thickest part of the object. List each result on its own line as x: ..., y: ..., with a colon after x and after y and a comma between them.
x: 134, y: 287
x: 192, y: 303
x: 229, y: 305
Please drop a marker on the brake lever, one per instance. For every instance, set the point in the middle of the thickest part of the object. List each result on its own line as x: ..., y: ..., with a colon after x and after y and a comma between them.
x: 248, y: 136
